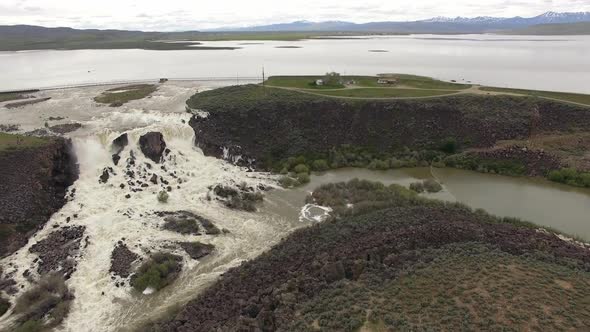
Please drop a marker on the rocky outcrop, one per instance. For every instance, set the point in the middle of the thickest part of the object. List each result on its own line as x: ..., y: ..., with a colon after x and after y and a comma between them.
x: 57, y: 252
x: 376, y: 247
x: 197, y: 250
x: 537, y: 162
x: 121, y: 260
x: 245, y: 125
x: 33, y: 183
x: 153, y: 146
x: 117, y: 147
x: 65, y: 128
x: 185, y: 222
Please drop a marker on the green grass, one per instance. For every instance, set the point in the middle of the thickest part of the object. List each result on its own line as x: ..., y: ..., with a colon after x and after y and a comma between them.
x: 463, y: 287
x: 160, y: 271
x: 422, y: 82
x: 300, y: 82
x: 9, y: 142
x: 383, y: 93
x: 11, y: 96
x: 121, y: 95
x: 404, y: 81
x: 564, y: 96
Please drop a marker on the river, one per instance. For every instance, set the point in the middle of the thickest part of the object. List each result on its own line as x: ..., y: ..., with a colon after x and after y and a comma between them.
x: 558, y: 63
x: 536, y: 200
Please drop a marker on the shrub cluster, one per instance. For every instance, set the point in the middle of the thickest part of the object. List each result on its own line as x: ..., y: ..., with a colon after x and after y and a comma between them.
x: 474, y: 163
x: 429, y: 185
x: 44, y: 306
x: 241, y: 198
x: 158, y: 272
x: 296, y: 170
x: 570, y: 177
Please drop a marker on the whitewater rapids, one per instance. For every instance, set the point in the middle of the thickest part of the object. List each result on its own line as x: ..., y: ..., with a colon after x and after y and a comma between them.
x: 109, y: 217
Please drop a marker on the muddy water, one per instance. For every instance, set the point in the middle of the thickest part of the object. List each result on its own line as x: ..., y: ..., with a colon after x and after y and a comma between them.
x: 545, y: 203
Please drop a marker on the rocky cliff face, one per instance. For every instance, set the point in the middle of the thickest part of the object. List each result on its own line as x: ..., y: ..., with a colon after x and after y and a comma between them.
x: 283, y: 123
x: 33, y: 183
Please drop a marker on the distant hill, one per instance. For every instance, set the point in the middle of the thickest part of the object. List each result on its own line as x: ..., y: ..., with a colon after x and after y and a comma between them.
x: 28, y: 37
x: 582, y: 28
x: 434, y: 25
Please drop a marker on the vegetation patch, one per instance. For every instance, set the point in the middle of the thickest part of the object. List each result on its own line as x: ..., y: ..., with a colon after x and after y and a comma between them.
x: 44, y: 306
x: 429, y: 185
x: 158, y: 272
x: 459, y: 286
x: 471, y: 161
x: 11, y: 96
x: 118, y: 96
x: 12, y: 142
x: 570, y: 177
x: 337, y: 81
x: 240, y: 198
x: 385, y: 93
x: 563, y: 96
x: 412, y: 264
x: 296, y: 170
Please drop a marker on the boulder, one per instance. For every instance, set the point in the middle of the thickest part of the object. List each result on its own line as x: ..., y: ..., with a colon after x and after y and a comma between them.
x: 152, y: 145
x: 120, y: 143
x: 121, y: 260
x: 197, y: 250
x: 104, y: 178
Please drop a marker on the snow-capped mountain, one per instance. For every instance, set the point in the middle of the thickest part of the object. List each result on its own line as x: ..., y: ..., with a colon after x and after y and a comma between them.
x: 436, y: 24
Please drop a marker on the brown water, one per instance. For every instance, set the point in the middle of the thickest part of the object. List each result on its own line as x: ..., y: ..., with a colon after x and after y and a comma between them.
x: 561, y: 207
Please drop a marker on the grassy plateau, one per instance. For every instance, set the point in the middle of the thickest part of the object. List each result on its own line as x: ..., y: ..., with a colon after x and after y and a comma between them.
x: 121, y: 95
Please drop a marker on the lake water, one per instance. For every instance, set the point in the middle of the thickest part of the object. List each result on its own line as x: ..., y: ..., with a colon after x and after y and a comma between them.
x: 557, y: 63
x: 561, y: 207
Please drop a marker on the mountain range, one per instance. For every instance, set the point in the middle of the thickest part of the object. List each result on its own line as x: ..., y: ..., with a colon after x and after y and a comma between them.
x: 435, y: 25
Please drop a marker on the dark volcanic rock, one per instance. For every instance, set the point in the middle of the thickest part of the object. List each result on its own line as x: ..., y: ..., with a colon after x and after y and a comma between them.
x: 65, y: 128
x: 121, y: 260
x: 284, y: 124
x: 104, y: 177
x: 58, y: 249
x: 152, y: 145
x: 186, y: 222
x: 33, y: 184
x: 154, y: 179
x: 537, y: 163
x: 196, y: 249
x: 120, y: 143
x: 255, y: 295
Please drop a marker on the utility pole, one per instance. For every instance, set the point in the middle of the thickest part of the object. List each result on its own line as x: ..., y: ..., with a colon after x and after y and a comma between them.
x: 263, y: 78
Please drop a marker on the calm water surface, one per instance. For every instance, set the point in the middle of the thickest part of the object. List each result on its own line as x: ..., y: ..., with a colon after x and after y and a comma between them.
x: 538, y: 62
x: 545, y: 203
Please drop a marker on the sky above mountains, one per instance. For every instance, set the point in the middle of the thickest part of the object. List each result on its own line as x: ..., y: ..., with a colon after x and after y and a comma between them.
x: 172, y: 15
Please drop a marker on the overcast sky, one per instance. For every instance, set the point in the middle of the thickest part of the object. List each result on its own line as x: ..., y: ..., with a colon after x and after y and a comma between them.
x: 167, y: 15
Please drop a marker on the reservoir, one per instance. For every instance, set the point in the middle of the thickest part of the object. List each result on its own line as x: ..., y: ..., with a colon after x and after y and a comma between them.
x: 557, y: 63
